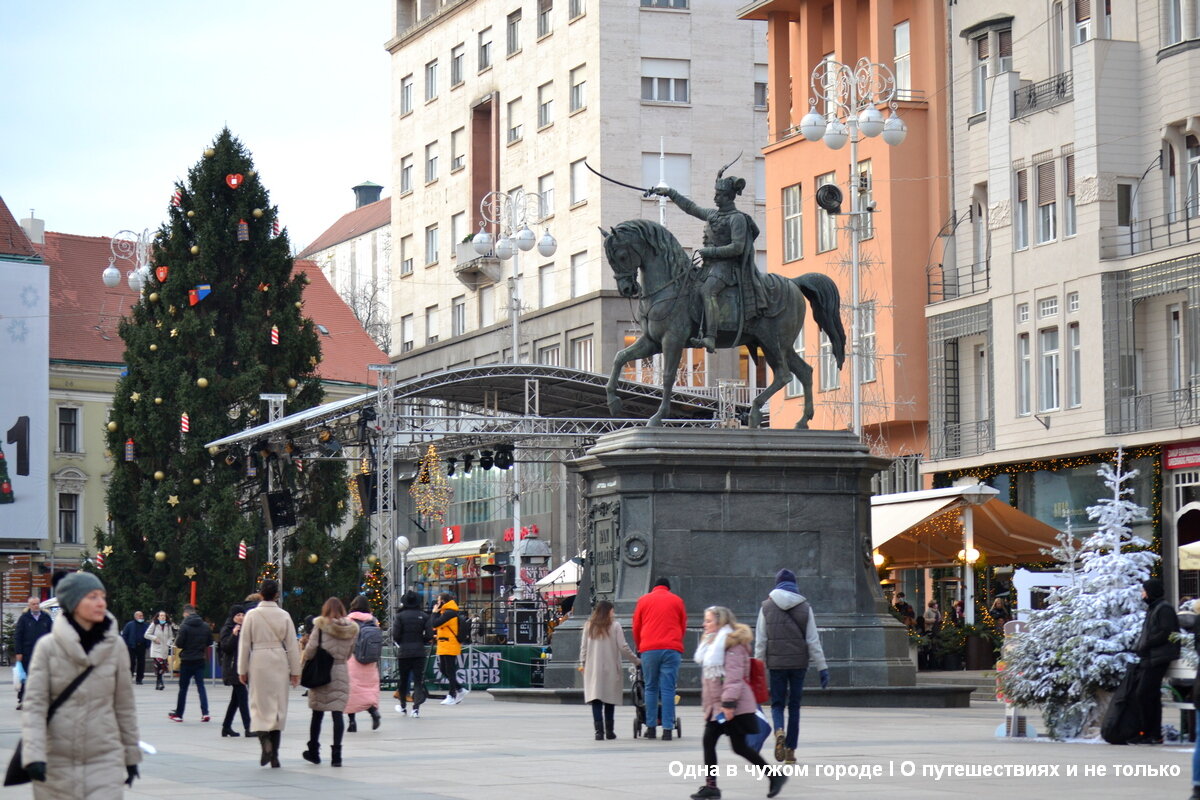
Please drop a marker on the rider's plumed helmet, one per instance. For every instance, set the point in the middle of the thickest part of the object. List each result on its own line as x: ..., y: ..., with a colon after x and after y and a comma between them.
x: 730, y: 183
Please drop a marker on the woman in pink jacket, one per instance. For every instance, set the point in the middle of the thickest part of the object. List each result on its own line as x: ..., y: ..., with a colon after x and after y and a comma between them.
x: 728, y: 699
x: 364, y: 678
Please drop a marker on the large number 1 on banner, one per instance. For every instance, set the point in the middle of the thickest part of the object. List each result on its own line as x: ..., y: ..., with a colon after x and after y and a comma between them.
x: 19, y: 435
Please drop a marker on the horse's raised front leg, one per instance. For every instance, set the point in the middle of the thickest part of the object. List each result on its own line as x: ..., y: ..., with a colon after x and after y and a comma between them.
x: 672, y: 350
x: 642, y: 348
x: 779, y: 368
x: 803, y: 373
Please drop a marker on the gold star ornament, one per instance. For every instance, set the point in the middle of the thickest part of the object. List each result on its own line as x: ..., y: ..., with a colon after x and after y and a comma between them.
x: 133, y: 398
x: 189, y: 573
x: 173, y: 500
x: 108, y: 551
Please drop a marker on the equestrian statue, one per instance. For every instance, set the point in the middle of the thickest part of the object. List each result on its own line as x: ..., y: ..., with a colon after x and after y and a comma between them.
x: 725, y: 302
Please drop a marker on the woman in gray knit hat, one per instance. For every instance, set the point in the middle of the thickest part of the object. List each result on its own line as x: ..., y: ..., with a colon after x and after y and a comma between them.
x: 90, y: 748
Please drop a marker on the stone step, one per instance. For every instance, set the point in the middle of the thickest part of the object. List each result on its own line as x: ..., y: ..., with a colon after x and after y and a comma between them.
x: 982, y: 681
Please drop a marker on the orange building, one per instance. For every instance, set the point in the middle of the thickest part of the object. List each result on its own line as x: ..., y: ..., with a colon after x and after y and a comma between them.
x: 899, y: 244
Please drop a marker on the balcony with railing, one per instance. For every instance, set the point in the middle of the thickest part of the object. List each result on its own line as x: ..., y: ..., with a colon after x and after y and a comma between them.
x: 1034, y: 97
x: 948, y: 282
x: 961, y: 439
x: 1174, y: 408
x: 1146, y: 235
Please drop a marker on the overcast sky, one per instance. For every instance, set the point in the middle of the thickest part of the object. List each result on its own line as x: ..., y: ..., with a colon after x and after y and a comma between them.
x: 106, y: 104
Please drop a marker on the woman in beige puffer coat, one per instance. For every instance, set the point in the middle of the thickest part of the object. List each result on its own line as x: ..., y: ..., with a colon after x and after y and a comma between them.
x: 335, y: 634
x: 90, y: 749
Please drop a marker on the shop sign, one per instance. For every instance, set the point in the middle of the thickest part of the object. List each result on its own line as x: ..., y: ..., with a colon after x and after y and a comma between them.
x: 526, y: 532
x: 1181, y: 456
x: 451, y: 534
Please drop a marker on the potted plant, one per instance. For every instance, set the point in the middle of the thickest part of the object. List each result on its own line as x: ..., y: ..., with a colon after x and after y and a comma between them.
x: 918, y: 648
x: 981, y: 644
x: 949, y: 645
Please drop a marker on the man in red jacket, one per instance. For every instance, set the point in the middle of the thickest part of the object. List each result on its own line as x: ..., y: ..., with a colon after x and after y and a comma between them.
x: 659, y: 622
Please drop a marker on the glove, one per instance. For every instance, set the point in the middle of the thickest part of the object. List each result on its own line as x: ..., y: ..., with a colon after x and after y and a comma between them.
x: 37, y: 771
x: 132, y: 772
x: 824, y: 679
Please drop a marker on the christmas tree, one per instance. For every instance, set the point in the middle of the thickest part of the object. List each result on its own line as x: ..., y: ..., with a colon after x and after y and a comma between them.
x: 219, y: 322
x: 6, y: 492
x: 1078, y: 647
x: 373, y: 590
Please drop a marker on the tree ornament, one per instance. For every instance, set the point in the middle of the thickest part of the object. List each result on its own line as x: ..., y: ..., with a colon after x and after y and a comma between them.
x: 234, y: 180
x: 198, y: 293
x: 158, y: 325
x: 185, y: 423
x: 134, y: 397
x: 196, y: 481
x: 159, y: 475
x: 171, y: 310
x: 243, y: 233
x: 263, y: 287
x: 189, y: 573
x: 194, y: 250
x: 212, y: 332
x: 298, y: 304
x: 242, y: 550
x: 129, y: 452
x: 431, y: 491
x: 173, y: 500
x: 158, y: 401
x: 313, y: 558
x: 177, y: 198
x: 274, y: 334
x: 212, y: 451
x: 251, y: 467
x: 292, y: 383
x: 202, y: 383
x: 112, y: 426
x: 275, y: 228
x: 258, y: 212
x: 99, y: 559
x: 209, y: 153
x: 191, y: 214
x: 152, y: 297
x: 160, y: 556
x: 161, y: 273
x: 153, y: 348
x: 250, y: 173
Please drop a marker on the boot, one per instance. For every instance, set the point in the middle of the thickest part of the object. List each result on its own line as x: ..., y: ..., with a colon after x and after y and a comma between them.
x: 335, y: 755
x: 608, y: 729
x: 313, y: 754
x: 375, y: 718
x: 264, y: 739
x: 775, y: 783
x: 651, y: 732
x: 352, y: 727
x: 228, y: 731
x: 711, y: 316
x: 780, y: 746
x: 275, y: 736
x: 599, y: 730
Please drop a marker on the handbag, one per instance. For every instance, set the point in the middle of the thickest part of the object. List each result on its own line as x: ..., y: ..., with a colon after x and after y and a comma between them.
x: 318, y: 670
x: 758, y: 680
x: 16, y: 773
x: 173, y: 661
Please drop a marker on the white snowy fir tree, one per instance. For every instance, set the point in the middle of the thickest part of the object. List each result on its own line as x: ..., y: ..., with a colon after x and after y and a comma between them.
x: 1077, y: 649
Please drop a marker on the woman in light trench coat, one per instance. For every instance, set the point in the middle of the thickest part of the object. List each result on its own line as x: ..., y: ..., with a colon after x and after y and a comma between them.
x: 268, y: 659
x: 600, y: 650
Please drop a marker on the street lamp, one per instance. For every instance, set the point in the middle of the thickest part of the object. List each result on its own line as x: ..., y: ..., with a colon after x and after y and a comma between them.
x: 134, y: 248
x: 512, y: 213
x: 402, y: 545
x: 852, y: 96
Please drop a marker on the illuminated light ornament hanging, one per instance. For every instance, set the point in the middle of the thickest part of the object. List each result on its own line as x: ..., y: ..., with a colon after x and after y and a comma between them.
x: 234, y: 180
x: 99, y: 560
x: 431, y: 492
x: 242, y: 551
x: 243, y: 231
x: 274, y: 334
x: 185, y: 423
x: 177, y: 198
x: 129, y: 453
x: 161, y: 273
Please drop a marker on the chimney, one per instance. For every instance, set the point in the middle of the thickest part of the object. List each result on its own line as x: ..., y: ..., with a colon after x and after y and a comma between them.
x: 35, y: 228
x: 366, y: 193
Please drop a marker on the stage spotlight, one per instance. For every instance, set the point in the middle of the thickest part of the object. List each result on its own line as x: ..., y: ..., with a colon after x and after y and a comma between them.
x: 450, y: 467
x: 504, y: 456
x: 329, y: 445
x: 485, y: 459
x: 467, y: 459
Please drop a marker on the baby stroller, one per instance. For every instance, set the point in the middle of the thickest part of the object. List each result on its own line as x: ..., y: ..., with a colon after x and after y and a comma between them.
x: 638, y: 691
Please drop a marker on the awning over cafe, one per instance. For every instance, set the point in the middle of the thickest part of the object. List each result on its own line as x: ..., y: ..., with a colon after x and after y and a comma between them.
x: 434, y: 552
x: 927, y: 529
x: 563, y: 580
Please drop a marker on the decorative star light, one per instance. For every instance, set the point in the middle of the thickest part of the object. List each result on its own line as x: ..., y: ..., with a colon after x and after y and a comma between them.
x: 173, y: 500
x: 29, y: 296
x: 189, y: 573
x: 18, y: 330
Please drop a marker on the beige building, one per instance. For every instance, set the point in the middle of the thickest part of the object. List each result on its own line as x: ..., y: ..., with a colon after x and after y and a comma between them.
x: 1064, y: 317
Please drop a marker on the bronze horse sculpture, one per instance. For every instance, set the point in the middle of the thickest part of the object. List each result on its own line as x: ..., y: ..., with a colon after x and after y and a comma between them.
x: 670, y: 314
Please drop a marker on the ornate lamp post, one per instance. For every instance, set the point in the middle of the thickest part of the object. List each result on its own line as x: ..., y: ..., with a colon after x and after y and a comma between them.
x: 851, y: 96
x: 134, y: 248
x: 512, y: 213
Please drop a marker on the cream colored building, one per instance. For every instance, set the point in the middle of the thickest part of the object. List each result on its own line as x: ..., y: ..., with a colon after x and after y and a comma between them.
x: 505, y: 96
x: 1064, y: 315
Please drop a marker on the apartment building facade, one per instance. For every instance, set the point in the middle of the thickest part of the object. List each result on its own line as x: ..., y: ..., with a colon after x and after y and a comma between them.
x: 1068, y: 325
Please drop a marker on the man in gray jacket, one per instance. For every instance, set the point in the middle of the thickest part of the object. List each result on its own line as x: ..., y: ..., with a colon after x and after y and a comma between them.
x: 786, y: 638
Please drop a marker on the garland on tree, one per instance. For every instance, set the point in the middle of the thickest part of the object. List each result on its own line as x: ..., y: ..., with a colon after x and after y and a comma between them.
x: 1080, y: 644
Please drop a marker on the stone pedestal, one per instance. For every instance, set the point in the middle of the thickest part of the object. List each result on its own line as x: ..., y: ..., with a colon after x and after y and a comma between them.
x: 718, y: 512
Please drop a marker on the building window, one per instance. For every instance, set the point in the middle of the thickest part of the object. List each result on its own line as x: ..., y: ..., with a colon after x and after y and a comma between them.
x: 578, y: 182
x: 546, y: 285
x: 487, y: 306
x: 579, y: 276
x: 664, y: 3
x: 406, y: 333
x: 903, y: 49
x: 1074, y: 367
x: 826, y: 224
x: 546, y: 194
x: 485, y: 49
x: 1048, y: 378
x: 1068, y: 217
x: 545, y: 97
x: 431, y: 325
x: 68, y: 518
x: 1072, y: 302
x: 575, y: 9
x: 676, y: 169
x: 1175, y: 350
x: 1004, y: 45
x: 549, y: 355
x: 68, y: 430
x: 458, y: 159
x: 979, y: 74
x: 1047, y: 307
x: 431, y: 245
x: 793, y: 224
x: 1047, y: 219
x: 581, y: 354
x: 406, y: 95
x: 760, y: 182
x: 1024, y: 374
x: 578, y: 88
x: 1083, y: 21
x: 544, y: 27
x: 866, y: 196
x: 515, y: 127
x: 1022, y: 312
x: 406, y: 255
x: 1172, y: 20
x: 665, y: 80
x: 458, y: 315
x: 513, y: 33
x: 760, y: 86
x: 458, y: 227
x: 830, y: 379
x: 1057, y: 39
x: 431, y: 76
x: 431, y: 160
x: 1021, y: 211
x: 866, y: 342
x: 458, y: 56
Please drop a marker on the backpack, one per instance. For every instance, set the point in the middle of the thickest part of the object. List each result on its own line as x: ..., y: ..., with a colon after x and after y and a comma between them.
x: 464, y: 627
x: 369, y: 643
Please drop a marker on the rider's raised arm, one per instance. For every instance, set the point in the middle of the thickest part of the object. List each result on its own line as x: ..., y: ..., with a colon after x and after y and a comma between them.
x: 686, y: 205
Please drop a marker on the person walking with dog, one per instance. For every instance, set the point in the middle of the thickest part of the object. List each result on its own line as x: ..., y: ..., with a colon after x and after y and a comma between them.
x: 364, y: 671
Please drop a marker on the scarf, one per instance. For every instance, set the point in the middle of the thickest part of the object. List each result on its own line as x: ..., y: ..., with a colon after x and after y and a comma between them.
x: 710, y: 655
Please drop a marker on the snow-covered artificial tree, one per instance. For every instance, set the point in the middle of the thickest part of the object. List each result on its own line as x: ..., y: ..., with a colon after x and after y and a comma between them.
x: 1079, y: 646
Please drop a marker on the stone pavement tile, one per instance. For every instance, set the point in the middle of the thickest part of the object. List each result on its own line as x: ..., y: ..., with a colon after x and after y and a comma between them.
x: 515, y: 751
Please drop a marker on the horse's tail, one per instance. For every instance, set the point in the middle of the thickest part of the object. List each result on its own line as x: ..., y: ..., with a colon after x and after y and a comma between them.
x: 826, y: 301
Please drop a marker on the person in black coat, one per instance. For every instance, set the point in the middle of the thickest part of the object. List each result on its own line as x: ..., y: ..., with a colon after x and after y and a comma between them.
x: 134, y: 634
x: 32, y: 625
x: 412, y: 633
x: 239, y: 699
x: 1156, y: 651
x: 193, y: 639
